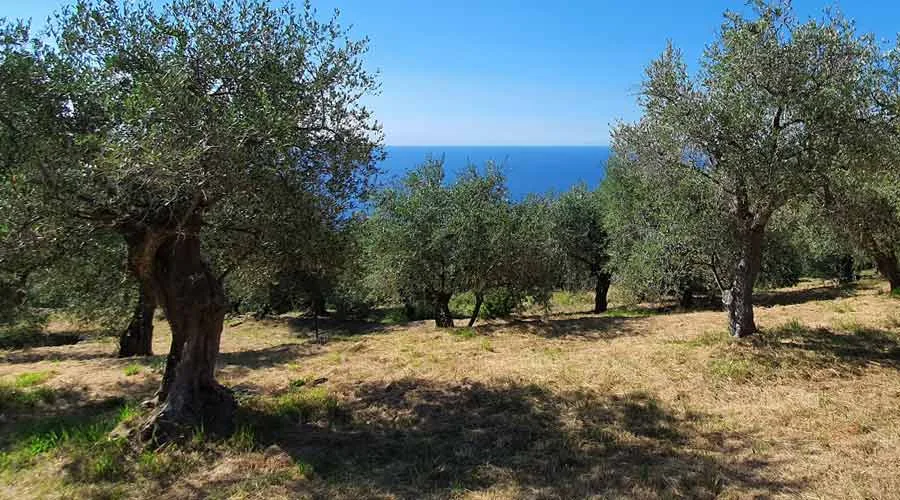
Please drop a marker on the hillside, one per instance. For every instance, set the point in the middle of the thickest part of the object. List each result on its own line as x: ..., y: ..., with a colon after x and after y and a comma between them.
x: 629, y: 403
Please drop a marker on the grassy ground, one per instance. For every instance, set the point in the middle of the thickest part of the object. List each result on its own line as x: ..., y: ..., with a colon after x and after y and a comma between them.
x: 569, y: 405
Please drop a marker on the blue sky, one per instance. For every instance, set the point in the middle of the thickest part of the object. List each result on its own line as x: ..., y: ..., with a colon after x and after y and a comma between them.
x: 498, y: 72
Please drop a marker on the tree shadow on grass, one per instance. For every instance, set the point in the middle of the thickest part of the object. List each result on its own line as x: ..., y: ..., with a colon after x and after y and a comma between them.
x: 269, y: 356
x: 821, y: 348
x: 587, y: 327
x: 800, y: 296
x: 419, y: 439
x: 330, y: 327
x: 25, y: 338
x: 60, y: 353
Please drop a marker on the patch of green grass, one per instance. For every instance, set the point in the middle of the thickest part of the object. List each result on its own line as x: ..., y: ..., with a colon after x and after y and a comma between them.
x: 128, y: 413
x: 733, y: 369
x: 708, y: 338
x: 849, y: 325
x: 793, y: 327
x: 297, y: 383
x: 486, y: 345
x: 104, y: 460
x: 83, y: 437
x: 302, y: 405
x: 243, y: 440
x: 305, y: 469
x: 564, y: 298
x: 30, y: 379
x: 464, y: 332
x: 132, y: 370
x: 15, y: 399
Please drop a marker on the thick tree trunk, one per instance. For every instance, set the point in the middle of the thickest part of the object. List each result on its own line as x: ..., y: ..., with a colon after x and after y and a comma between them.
x: 137, y: 339
x: 738, y: 300
x: 889, y: 268
x: 479, y: 299
x: 172, y: 361
x: 318, y: 306
x: 442, y: 317
x: 686, y: 297
x: 846, y: 273
x: 600, y: 292
x: 194, y: 302
x: 409, y: 310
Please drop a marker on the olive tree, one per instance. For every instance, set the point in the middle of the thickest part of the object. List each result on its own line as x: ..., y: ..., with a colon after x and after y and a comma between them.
x: 158, y: 124
x: 667, y: 235
x: 411, y: 244
x: 775, y: 102
x: 864, y: 210
x: 579, y: 225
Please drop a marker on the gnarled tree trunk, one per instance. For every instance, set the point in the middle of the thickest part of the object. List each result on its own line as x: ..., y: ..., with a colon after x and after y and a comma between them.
x: 194, y: 301
x: 738, y: 300
x: 442, y: 317
x: 479, y: 300
x: 137, y: 339
x: 888, y: 267
x: 600, y: 292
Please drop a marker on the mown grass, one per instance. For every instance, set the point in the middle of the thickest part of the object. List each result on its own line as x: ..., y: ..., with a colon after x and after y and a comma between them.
x: 464, y: 332
x: 572, y: 405
x: 300, y: 404
x: 708, y: 338
x: 794, y: 350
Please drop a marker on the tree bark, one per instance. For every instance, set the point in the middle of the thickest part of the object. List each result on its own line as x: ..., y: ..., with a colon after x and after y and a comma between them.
x: 172, y: 361
x: 600, y: 292
x: 409, y: 310
x: 889, y: 268
x: 194, y: 302
x: 738, y: 300
x: 137, y: 339
x: 847, y: 275
x: 686, y: 297
x: 442, y: 317
x: 479, y: 299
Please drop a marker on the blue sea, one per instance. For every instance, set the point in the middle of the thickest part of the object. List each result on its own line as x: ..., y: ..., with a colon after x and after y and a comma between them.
x: 529, y: 169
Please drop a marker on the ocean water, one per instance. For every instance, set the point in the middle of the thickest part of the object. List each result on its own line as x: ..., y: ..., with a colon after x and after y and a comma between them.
x: 529, y: 169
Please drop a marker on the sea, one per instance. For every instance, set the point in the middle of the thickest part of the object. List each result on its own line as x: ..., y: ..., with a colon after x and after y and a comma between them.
x: 529, y: 169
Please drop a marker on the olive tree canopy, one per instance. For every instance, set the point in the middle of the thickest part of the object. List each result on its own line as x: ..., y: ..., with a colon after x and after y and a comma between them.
x: 775, y: 104
x: 161, y: 124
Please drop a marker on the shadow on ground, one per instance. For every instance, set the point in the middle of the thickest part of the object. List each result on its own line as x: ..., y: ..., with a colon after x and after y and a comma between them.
x: 800, y: 296
x: 330, y: 327
x: 269, y: 356
x: 419, y: 439
x: 588, y: 327
x: 37, y: 354
x: 826, y: 349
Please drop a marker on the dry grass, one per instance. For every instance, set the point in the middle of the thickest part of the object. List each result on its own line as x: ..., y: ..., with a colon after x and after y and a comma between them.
x: 568, y: 405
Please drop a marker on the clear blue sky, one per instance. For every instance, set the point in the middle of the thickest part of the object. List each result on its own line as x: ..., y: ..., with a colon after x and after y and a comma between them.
x: 501, y: 72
